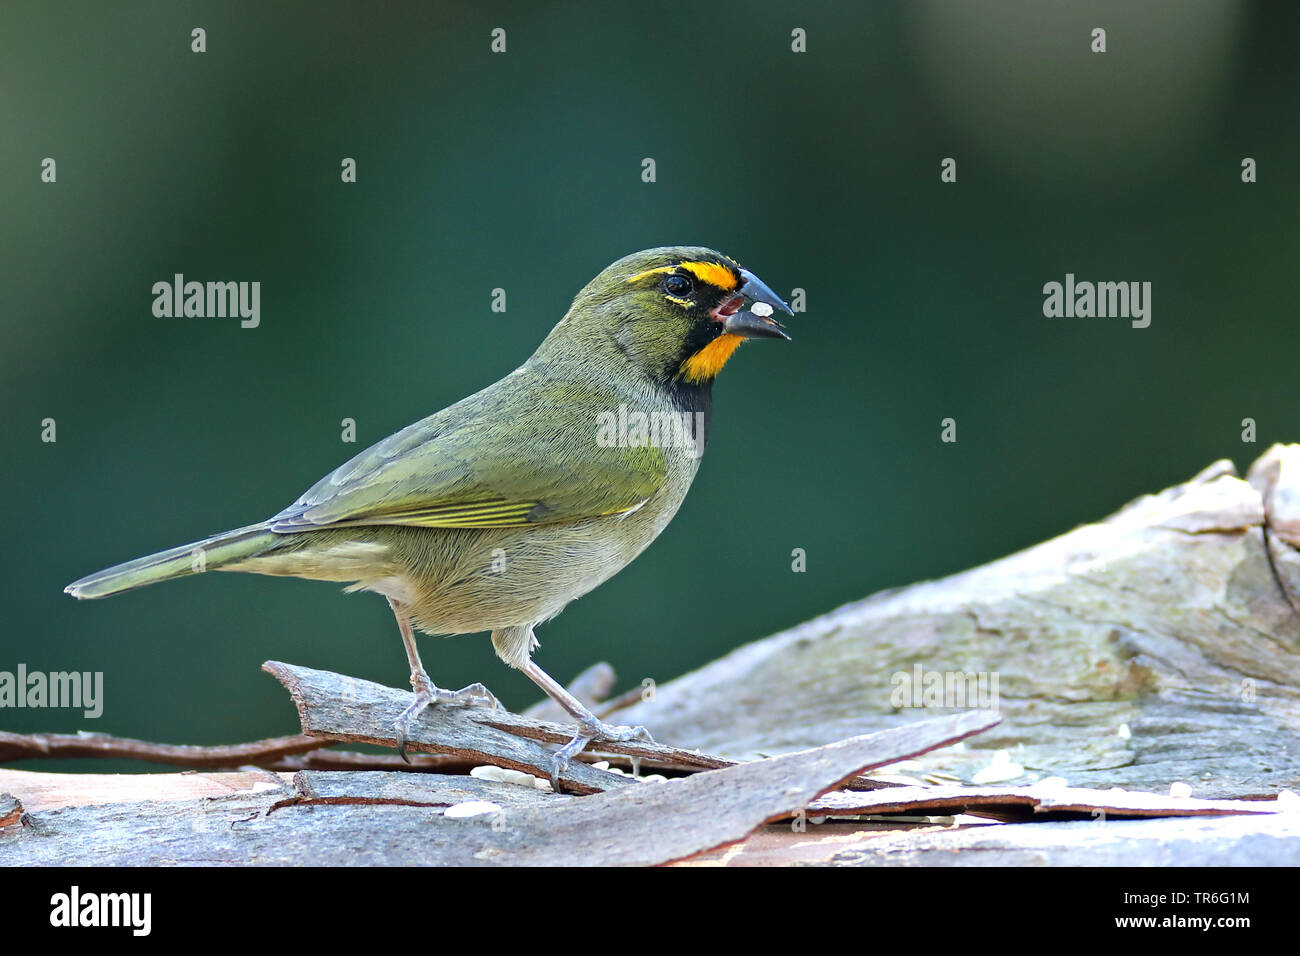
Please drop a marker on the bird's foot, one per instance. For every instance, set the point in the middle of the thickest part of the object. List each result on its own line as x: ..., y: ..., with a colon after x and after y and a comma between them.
x: 589, y: 732
x: 427, y: 695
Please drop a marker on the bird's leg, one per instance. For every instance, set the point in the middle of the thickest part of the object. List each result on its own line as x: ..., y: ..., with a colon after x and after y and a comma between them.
x: 590, y: 727
x: 426, y: 692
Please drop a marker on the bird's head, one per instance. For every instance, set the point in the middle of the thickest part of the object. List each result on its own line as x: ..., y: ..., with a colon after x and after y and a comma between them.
x: 677, y: 312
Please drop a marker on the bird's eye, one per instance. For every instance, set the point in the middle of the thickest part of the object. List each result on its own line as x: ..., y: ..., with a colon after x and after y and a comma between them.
x: 677, y: 285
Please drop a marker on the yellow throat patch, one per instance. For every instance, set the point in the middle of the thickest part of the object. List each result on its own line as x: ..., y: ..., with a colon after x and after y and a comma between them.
x: 708, y: 361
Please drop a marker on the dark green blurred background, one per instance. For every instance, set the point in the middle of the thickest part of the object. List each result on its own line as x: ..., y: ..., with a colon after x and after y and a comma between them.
x: 816, y: 170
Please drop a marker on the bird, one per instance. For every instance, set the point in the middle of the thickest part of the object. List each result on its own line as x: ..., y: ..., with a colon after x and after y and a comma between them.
x: 496, y: 512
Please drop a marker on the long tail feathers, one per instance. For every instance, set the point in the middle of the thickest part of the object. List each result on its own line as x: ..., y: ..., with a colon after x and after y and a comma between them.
x: 206, y: 555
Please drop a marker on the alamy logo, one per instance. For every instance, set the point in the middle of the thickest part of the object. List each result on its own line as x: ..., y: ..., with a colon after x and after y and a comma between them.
x: 630, y: 428
x: 83, y: 691
x: 947, y: 689
x: 210, y: 300
x: 130, y: 910
x: 1085, y: 300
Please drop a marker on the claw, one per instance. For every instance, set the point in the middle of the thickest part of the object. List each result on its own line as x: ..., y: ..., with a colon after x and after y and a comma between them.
x: 564, y: 756
x: 426, y: 695
x: 477, y: 695
x: 594, y: 731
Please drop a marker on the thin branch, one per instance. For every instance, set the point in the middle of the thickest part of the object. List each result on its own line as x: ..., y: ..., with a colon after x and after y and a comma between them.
x: 28, y: 746
x: 297, y: 752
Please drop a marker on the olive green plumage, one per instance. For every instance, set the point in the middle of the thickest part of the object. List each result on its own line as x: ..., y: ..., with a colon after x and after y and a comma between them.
x: 495, y: 512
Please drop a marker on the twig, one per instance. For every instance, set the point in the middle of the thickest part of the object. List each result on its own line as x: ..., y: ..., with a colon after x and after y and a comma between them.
x: 272, y: 749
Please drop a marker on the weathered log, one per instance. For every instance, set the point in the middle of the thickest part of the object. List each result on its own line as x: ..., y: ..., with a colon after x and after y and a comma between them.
x: 1030, y: 803
x: 400, y: 819
x: 1159, y: 645
x: 1269, y: 840
x: 318, y: 817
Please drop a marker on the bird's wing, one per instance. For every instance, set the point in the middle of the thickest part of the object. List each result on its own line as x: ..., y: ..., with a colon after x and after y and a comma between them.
x: 500, y: 458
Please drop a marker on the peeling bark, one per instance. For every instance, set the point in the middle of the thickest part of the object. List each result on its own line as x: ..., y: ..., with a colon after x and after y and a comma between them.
x: 376, y: 818
x: 1159, y: 645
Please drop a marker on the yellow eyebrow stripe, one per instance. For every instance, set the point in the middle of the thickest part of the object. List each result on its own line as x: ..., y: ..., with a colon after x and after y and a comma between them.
x: 715, y: 275
x: 652, y: 272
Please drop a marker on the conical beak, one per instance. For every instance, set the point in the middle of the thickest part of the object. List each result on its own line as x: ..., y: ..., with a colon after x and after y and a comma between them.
x: 752, y: 287
x: 750, y: 324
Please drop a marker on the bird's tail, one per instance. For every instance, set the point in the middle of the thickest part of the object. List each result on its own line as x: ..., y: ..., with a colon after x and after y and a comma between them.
x: 206, y: 555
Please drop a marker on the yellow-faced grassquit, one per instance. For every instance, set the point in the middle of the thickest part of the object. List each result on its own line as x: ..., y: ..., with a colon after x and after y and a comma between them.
x: 496, y: 512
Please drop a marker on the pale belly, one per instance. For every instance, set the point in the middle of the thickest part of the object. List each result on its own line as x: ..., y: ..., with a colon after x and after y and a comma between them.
x: 461, y: 581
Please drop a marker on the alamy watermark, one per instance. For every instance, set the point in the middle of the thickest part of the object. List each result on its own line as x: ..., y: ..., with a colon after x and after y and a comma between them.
x: 74, y: 908
x: 80, y: 690
x: 1102, y: 300
x: 918, y: 687
x: 210, y: 300
x: 630, y: 428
